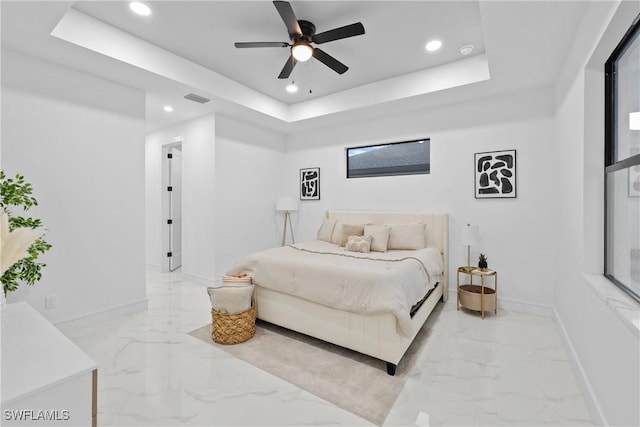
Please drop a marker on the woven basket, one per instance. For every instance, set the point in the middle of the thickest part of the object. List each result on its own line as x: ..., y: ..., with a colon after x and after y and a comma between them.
x: 233, y: 328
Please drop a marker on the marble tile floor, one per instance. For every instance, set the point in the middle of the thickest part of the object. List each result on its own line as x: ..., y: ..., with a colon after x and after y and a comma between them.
x: 506, y: 370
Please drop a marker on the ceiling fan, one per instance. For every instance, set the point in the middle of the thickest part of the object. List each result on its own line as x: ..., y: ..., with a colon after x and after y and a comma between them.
x: 302, y: 34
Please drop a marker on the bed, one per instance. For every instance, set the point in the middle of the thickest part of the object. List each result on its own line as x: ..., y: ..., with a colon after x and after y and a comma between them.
x: 345, y: 298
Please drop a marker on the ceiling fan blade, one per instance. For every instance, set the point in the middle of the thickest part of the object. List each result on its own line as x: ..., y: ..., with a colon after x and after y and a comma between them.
x: 288, y: 68
x: 356, y: 29
x: 289, y: 18
x: 260, y: 44
x: 329, y: 61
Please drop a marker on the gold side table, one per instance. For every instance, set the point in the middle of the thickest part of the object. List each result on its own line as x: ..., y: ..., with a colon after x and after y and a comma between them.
x: 478, y: 297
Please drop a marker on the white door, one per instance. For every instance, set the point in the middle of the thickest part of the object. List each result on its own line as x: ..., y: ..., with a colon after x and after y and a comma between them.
x: 175, y: 207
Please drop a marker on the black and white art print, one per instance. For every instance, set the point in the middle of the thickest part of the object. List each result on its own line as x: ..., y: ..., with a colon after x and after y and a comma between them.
x: 310, y: 184
x: 495, y: 174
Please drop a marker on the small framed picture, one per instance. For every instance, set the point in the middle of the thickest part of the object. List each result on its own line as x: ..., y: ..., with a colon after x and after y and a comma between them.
x: 495, y: 174
x: 310, y: 184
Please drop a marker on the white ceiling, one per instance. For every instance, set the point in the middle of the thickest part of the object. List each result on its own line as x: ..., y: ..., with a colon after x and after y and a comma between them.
x: 188, y: 47
x: 393, y: 45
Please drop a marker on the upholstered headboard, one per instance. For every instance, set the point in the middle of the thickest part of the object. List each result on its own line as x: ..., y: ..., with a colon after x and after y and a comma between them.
x: 436, y: 230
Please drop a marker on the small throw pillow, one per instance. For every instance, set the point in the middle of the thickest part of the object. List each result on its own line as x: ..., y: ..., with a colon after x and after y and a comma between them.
x: 379, y: 236
x: 406, y: 236
x: 336, y: 236
x: 350, y: 230
x: 231, y: 298
x: 358, y: 244
x: 326, y: 230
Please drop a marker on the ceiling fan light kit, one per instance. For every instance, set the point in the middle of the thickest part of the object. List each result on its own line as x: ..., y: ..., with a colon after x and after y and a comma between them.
x: 302, y: 34
x: 301, y: 50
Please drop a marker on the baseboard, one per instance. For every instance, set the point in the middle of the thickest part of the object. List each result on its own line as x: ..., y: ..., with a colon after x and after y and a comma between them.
x: 525, y: 307
x: 595, y: 410
x: 198, y: 280
x: 102, y: 315
x: 516, y: 306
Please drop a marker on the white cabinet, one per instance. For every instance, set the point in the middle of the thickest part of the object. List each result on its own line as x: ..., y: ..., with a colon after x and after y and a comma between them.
x: 46, y: 378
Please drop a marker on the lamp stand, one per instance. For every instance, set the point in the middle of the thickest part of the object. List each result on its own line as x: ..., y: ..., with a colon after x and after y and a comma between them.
x: 284, y: 229
x: 468, y: 255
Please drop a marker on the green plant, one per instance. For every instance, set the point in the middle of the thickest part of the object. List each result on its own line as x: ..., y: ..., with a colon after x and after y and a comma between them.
x: 482, y: 261
x: 15, y: 192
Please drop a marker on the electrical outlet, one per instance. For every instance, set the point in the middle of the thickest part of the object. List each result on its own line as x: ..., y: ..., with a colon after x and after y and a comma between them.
x: 50, y: 302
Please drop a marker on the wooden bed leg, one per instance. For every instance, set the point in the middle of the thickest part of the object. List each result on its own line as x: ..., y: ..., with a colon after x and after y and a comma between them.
x: 391, y: 368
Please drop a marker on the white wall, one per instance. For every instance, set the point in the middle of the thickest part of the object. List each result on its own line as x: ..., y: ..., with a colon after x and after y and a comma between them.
x: 153, y: 201
x: 80, y: 141
x: 249, y: 178
x: 232, y: 174
x: 606, y: 350
x: 514, y: 233
x: 198, y: 177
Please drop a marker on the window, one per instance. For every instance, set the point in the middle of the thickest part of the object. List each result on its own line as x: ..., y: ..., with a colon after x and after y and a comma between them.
x: 622, y: 163
x: 398, y: 158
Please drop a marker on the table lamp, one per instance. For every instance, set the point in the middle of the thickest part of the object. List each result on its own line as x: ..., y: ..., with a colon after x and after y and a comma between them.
x: 469, y: 238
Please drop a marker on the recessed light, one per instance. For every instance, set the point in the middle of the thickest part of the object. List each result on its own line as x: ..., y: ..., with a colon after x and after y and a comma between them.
x: 292, y: 88
x: 140, y: 8
x: 433, y: 45
x: 466, y: 49
x: 168, y: 108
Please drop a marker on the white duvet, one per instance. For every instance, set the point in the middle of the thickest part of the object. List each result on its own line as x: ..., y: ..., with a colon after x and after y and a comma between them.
x: 367, y: 283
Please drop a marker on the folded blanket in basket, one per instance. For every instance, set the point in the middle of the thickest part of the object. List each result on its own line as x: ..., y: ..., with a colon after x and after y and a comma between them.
x: 231, y: 297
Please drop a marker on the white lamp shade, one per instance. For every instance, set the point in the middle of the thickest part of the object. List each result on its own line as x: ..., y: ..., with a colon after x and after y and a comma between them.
x: 286, y: 204
x: 301, y: 51
x: 470, y: 235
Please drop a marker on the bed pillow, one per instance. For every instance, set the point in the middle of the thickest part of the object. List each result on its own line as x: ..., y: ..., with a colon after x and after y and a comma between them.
x: 379, y: 236
x: 231, y: 298
x: 350, y: 230
x: 358, y: 244
x: 406, y: 236
x: 336, y: 236
x: 326, y: 230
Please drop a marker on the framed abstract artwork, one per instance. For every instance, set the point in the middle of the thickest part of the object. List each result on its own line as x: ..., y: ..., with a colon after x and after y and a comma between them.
x: 495, y: 174
x: 310, y: 184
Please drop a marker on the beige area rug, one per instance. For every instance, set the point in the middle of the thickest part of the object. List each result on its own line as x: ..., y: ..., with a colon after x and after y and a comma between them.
x: 349, y: 380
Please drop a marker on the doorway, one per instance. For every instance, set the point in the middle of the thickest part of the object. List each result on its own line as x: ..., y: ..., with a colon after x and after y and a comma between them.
x: 172, y: 211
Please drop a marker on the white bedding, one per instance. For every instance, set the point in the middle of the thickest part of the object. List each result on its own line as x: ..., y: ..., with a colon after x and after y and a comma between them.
x: 368, y: 283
